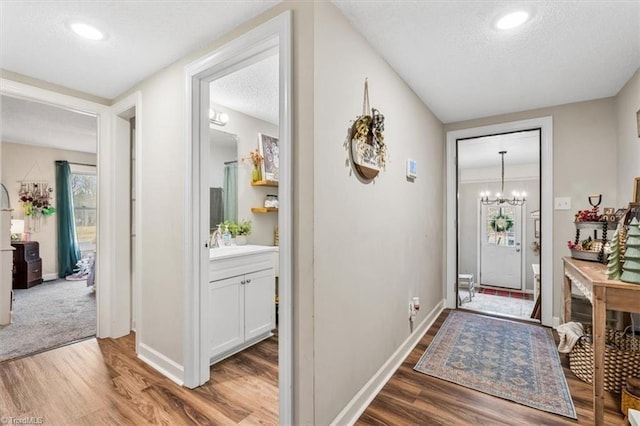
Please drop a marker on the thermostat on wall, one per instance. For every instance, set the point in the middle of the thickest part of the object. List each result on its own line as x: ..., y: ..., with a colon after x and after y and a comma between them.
x: 412, y: 169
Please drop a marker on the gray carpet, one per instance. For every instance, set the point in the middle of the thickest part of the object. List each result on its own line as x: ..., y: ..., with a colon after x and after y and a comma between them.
x: 48, y: 315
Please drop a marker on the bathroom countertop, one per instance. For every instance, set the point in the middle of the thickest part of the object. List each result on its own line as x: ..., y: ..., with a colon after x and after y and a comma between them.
x: 235, y: 251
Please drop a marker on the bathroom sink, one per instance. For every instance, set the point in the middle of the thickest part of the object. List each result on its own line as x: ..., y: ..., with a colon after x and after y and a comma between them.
x: 233, y: 251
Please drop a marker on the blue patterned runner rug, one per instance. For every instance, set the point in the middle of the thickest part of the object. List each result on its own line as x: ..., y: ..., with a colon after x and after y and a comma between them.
x: 511, y: 360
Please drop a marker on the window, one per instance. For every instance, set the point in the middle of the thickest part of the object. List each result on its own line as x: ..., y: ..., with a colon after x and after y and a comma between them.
x: 85, y: 194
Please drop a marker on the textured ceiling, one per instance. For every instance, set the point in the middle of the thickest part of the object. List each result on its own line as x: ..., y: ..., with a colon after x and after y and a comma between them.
x: 463, y: 68
x: 447, y: 51
x: 522, y: 148
x: 252, y: 90
x: 142, y: 37
x: 39, y: 124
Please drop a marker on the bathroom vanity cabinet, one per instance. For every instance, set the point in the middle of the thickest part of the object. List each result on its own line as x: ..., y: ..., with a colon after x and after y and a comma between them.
x: 241, y: 298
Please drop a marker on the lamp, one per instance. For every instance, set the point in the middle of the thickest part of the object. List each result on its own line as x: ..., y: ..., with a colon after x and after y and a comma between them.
x: 517, y: 200
x: 219, y: 118
x: 17, y: 229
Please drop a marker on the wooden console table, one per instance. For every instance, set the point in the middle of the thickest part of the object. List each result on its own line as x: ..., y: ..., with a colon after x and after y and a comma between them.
x: 591, y: 279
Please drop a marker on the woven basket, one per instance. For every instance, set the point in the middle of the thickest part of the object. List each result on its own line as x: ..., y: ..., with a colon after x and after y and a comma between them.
x: 629, y: 401
x: 621, y: 359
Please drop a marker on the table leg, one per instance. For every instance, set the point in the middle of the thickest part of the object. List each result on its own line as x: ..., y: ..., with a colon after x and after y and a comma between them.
x: 599, y: 325
x: 566, y: 292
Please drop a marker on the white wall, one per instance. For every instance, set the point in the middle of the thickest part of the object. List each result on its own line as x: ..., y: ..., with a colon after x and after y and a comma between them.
x: 247, y: 129
x: 468, y: 194
x: 584, y: 162
x: 375, y: 245
x: 627, y: 104
x: 17, y: 161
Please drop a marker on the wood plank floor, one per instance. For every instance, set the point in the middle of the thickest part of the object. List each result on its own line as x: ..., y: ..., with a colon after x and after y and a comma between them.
x: 101, y: 382
x: 412, y: 398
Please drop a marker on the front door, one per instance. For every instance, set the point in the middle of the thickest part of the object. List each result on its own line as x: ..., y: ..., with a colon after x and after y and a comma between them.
x: 500, y: 246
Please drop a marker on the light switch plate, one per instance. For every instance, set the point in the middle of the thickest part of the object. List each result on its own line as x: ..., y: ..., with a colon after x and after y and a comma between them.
x: 562, y: 203
x: 412, y: 169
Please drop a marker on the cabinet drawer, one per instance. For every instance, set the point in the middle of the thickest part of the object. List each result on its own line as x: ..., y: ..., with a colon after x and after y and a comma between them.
x: 234, y: 266
x: 31, y: 252
x: 34, y: 271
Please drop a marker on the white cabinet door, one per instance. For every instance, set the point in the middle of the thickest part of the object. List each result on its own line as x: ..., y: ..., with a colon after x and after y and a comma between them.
x: 227, y: 314
x: 259, y: 299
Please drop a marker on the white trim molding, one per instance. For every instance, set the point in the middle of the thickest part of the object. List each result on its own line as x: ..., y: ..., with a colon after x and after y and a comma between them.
x: 126, y: 294
x: 167, y: 367
x: 50, y: 277
x: 359, y: 403
x: 545, y: 124
x: 274, y: 34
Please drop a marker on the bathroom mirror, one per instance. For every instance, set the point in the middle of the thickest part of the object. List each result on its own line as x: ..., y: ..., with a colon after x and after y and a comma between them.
x: 243, y: 105
x: 223, y: 178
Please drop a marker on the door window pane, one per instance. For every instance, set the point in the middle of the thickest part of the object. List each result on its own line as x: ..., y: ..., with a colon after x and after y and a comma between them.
x: 501, y: 226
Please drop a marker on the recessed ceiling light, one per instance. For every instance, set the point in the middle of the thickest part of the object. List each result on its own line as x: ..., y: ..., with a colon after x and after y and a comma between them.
x: 86, y: 31
x: 512, y: 20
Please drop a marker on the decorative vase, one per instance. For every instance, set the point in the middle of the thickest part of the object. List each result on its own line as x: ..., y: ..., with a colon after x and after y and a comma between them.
x: 241, y: 240
x: 256, y: 174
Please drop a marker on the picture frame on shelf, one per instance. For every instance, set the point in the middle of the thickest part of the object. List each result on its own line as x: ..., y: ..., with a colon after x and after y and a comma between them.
x: 632, y: 211
x: 268, y: 146
x: 636, y: 190
x: 620, y: 215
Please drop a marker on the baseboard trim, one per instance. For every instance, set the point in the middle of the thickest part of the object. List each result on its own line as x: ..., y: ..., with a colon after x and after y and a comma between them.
x: 354, y: 409
x: 165, y: 366
x: 49, y: 277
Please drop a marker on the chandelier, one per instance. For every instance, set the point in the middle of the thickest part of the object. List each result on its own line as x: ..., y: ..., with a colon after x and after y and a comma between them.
x: 518, y: 199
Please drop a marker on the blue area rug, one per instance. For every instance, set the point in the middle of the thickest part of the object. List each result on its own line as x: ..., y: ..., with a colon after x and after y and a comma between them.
x: 511, y: 360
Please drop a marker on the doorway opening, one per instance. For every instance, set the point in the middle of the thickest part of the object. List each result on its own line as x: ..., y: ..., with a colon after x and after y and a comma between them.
x: 112, y: 271
x: 49, y: 158
x: 465, y: 212
x: 243, y: 305
x: 207, y: 284
x: 498, y: 192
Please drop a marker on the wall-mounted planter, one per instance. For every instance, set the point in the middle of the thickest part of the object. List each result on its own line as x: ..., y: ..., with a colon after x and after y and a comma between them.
x: 368, y: 150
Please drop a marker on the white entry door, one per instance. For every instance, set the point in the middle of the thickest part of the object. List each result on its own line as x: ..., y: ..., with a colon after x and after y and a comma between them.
x: 501, y: 246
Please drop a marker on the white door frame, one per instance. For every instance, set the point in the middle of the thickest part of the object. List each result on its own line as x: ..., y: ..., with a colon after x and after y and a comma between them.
x: 112, y: 319
x: 545, y: 124
x: 274, y: 33
x: 129, y: 294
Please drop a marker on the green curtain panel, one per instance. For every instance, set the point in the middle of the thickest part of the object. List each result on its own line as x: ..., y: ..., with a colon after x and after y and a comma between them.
x: 230, y: 191
x: 68, y: 251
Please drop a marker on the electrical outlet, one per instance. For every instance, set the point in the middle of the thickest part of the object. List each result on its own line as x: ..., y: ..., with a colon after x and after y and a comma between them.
x: 562, y: 203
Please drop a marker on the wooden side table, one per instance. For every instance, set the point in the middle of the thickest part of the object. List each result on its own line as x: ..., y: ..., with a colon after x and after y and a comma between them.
x: 591, y: 279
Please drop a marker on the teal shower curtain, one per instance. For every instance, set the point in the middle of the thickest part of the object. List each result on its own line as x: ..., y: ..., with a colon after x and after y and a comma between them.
x: 68, y: 251
x: 230, y: 192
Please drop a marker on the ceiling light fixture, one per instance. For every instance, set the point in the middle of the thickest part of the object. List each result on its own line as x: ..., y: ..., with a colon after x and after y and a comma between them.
x: 517, y: 200
x: 86, y: 31
x: 219, y: 118
x: 512, y: 20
